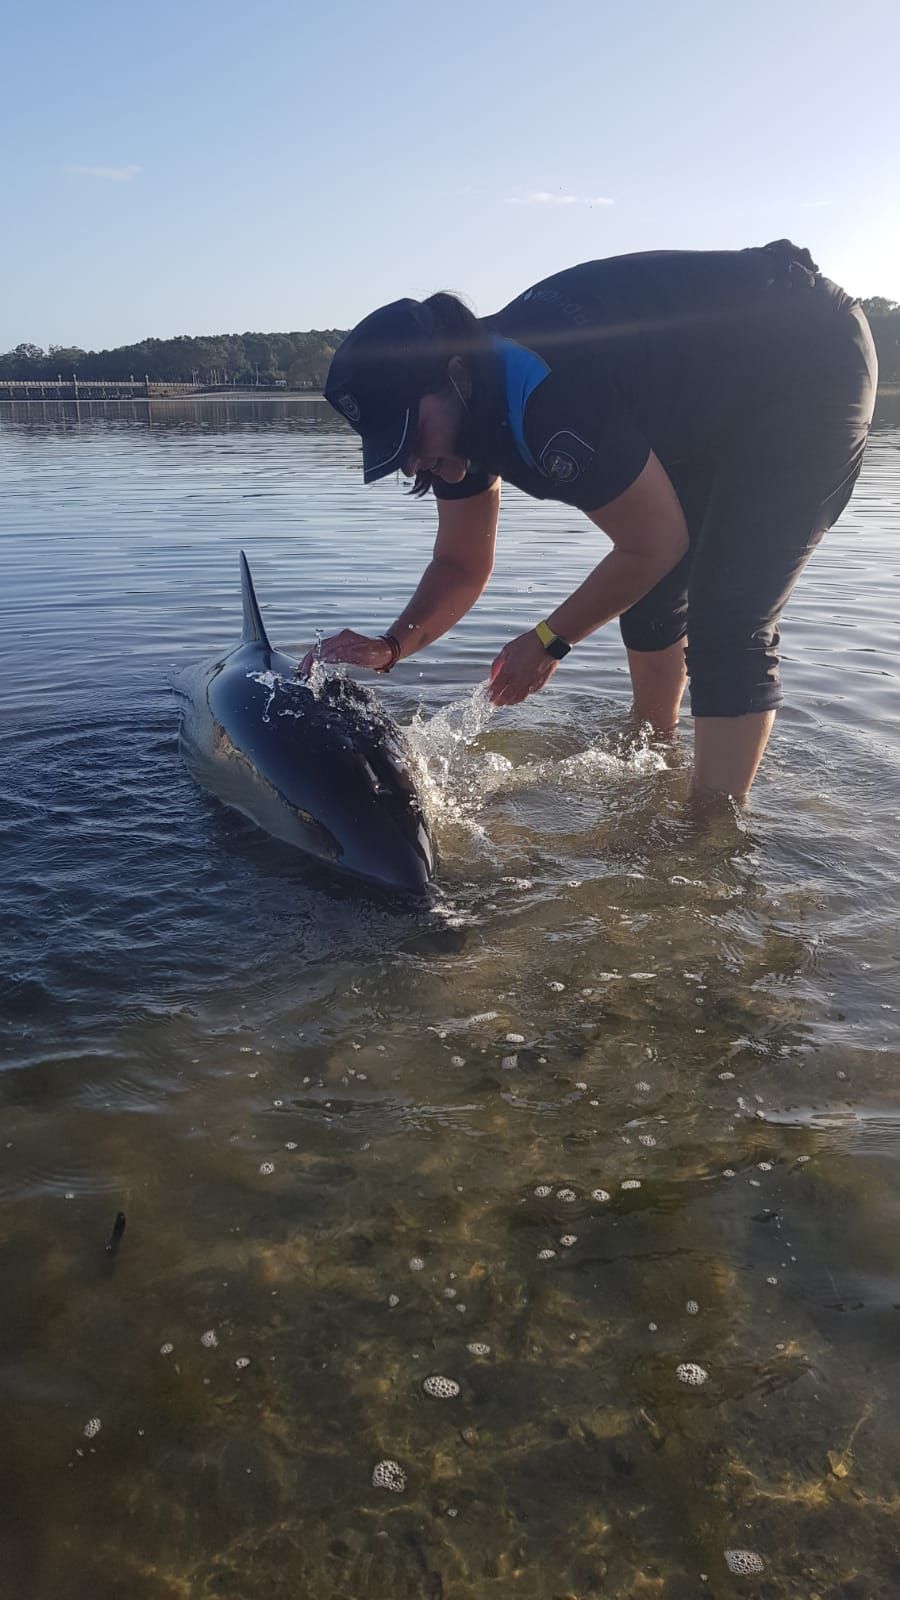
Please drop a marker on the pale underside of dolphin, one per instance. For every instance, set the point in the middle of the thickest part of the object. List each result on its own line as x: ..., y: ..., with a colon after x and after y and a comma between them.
x: 326, y: 770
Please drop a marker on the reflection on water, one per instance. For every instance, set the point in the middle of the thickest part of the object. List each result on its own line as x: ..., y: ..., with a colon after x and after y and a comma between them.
x: 623, y: 1108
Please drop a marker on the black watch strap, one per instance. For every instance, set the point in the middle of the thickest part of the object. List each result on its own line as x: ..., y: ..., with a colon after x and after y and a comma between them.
x: 553, y: 644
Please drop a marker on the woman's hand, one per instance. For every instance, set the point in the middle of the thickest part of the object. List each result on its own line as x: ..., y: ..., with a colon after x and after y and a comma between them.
x: 522, y: 667
x: 356, y: 648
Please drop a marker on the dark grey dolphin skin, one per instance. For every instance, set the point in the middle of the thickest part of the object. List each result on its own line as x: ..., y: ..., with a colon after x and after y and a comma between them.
x: 326, y: 771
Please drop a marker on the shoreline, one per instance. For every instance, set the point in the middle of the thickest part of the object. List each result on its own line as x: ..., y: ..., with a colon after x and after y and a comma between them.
x: 225, y: 397
x: 186, y: 396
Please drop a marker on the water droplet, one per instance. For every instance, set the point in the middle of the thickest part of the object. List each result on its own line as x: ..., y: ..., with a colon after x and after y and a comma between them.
x: 290, y: 1145
x: 92, y: 1427
x: 691, y: 1373
x: 209, y: 1339
x: 389, y: 1475
x: 726, y: 1077
x: 566, y: 1195
x: 643, y: 1087
x: 568, y: 1239
x: 557, y: 987
x: 692, y: 1308
x: 600, y: 1195
x: 647, y: 1139
x: 441, y: 1388
x: 543, y: 1190
x: 773, y: 1281
x: 242, y: 1361
x: 416, y: 1264
x: 546, y: 1255
x: 631, y: 1183
x: 166, y: 1349
x: 764, y: 1166
x: 393, y: 1300
x: 449, y: 1293
x: 478, y: 1348
x: 457, y: 1061
x: 581, y: 1085
x: 266, y: 1168
x: 515, y: 1038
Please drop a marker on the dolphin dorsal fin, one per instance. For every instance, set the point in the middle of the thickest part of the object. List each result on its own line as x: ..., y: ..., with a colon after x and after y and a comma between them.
x: 254, y: 632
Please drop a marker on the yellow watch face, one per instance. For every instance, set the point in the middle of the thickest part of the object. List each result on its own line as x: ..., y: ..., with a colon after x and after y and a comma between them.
x: 545, y: 634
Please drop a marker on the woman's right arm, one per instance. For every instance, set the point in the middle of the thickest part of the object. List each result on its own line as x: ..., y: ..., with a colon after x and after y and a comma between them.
x: 449, y: 587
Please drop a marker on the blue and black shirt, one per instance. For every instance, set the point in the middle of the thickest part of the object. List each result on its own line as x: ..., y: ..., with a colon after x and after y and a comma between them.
x: 667, y: 351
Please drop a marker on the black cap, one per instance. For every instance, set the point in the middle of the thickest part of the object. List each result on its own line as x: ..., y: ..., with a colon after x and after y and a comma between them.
x: 378, y: 376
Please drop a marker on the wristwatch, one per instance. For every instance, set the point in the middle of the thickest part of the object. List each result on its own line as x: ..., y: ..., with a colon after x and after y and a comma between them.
x: 553, y: 644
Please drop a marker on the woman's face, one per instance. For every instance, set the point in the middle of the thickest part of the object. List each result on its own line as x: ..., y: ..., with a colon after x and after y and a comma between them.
x: 434, y: 446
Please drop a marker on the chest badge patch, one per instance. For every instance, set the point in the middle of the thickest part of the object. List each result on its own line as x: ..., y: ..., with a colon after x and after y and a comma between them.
x: 565, y: 457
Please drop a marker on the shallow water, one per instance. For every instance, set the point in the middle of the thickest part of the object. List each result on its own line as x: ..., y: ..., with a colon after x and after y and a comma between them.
x: 624, y: 1102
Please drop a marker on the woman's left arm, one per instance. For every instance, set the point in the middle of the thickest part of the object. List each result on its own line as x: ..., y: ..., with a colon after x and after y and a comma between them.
x: 649, y: 534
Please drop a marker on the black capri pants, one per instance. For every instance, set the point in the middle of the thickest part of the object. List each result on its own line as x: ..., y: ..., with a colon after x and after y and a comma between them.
x: 757, y: 511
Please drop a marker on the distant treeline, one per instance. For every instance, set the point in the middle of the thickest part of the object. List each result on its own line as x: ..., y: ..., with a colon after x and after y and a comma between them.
x: 884, y: 320
x: 298, y: 359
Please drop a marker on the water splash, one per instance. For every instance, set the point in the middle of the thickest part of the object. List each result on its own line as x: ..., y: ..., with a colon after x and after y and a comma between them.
x: 317, y: 677
x: 268, y: 680
x: 449, y: 774
x: 458, y: 777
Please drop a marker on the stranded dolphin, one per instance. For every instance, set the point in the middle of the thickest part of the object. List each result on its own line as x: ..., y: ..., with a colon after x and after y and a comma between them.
x: 322, y: 767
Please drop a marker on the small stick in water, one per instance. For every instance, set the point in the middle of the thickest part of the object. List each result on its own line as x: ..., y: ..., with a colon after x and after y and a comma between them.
x: 115, y: 1237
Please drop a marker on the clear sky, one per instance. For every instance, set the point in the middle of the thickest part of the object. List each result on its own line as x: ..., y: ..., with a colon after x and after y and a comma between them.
x: 198, y: 167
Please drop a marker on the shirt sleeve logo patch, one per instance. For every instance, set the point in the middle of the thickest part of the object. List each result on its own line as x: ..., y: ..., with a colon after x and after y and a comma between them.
x: 565, y: 457
x: 350, y: 406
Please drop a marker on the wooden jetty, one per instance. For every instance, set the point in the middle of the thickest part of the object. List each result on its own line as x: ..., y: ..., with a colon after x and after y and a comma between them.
x: 75, y: 388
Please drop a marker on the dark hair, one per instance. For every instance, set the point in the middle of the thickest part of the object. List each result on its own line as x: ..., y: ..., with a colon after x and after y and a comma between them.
x: 458, y: 333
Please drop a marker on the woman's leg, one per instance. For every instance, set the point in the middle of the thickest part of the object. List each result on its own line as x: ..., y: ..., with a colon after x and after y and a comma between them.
x: 727, y: 753
x: 765, y: 517
x: 654, y: 629
x: 658, y: 680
